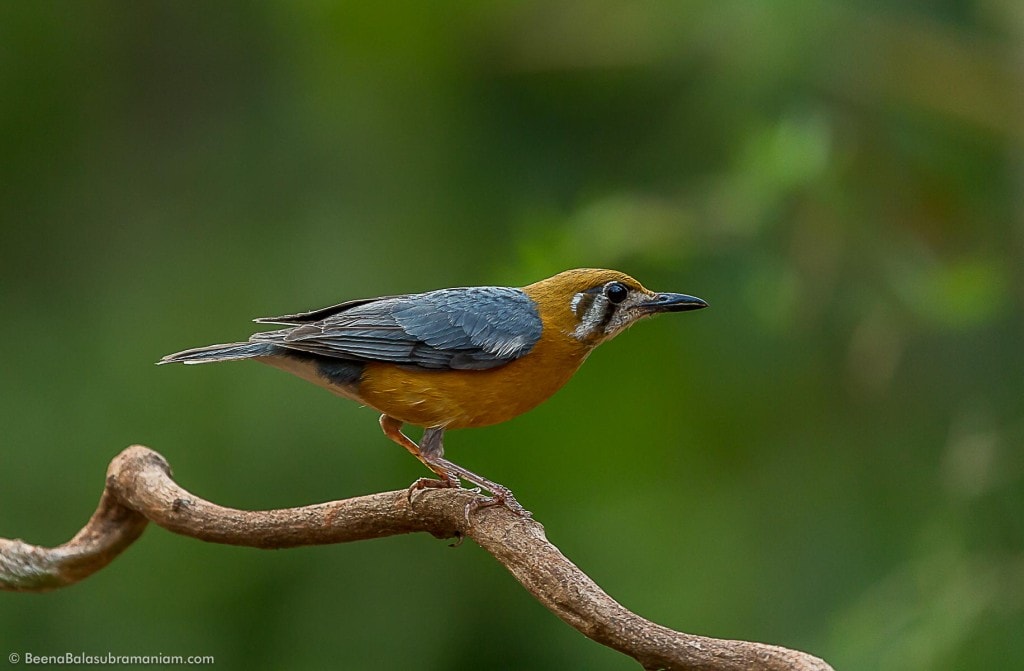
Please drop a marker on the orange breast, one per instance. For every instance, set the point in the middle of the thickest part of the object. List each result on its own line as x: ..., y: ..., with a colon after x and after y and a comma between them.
x: 458, y: 399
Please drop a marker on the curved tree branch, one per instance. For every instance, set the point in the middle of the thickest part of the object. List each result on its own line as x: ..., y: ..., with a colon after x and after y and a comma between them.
x: 139, y: 488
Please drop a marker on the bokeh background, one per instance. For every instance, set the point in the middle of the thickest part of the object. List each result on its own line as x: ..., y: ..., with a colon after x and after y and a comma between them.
x: 830, y: 458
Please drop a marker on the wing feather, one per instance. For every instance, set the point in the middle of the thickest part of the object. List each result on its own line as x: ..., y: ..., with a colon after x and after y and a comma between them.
x: 468, y: 329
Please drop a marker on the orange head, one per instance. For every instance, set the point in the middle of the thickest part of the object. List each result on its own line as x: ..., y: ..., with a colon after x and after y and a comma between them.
x: 591, y: 305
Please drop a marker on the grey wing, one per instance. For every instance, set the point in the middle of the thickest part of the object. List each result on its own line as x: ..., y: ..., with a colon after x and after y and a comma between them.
x: 468, y: 329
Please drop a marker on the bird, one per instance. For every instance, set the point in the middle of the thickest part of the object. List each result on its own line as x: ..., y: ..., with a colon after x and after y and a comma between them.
x: 453, y: 358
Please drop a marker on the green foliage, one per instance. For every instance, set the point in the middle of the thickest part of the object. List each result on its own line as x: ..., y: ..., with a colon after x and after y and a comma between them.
x: 829, y: 458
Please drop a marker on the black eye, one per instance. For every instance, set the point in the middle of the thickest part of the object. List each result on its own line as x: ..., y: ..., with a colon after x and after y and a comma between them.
x: 616, y: 292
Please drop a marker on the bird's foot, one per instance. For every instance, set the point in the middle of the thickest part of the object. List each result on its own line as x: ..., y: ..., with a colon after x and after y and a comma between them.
x: 501, y: 496
x: 432, y: 483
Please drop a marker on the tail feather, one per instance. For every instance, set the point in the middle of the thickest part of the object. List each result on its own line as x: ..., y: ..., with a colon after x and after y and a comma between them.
x: 229, y: 352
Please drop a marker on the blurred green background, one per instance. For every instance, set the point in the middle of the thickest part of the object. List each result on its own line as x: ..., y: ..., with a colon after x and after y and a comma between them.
x: 828, y: 459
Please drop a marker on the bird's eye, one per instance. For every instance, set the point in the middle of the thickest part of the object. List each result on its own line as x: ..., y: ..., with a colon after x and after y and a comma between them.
x: 616, y: 292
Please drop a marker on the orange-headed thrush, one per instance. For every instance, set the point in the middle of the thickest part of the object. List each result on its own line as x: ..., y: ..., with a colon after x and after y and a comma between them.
x: 453, y: 358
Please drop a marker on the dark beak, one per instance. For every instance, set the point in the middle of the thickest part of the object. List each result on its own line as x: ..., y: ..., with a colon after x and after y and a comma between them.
x: 673, y: 303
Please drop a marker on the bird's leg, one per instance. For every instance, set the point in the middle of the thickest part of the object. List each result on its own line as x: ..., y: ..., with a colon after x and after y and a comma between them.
x: 430, y: 452
x: 393, y: 430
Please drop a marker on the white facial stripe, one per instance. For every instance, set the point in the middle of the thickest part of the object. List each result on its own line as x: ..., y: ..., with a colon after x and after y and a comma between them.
x: 575, y: 304
x: 593, y: 317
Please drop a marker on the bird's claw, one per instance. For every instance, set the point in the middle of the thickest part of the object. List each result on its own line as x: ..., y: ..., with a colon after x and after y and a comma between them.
x: 500, y: 498
x: 431, y: 483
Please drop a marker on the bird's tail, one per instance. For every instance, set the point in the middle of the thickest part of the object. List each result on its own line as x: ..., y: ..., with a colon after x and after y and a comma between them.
x: 238, y: 350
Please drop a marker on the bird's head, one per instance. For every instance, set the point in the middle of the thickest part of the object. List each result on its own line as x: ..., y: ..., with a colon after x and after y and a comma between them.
x: 593, y: 305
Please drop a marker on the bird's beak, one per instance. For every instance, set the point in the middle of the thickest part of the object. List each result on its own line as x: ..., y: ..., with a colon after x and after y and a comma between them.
x: 672, y: 303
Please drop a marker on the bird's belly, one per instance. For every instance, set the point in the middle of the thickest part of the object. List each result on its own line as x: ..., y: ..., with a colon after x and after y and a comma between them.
x: 462, y: 398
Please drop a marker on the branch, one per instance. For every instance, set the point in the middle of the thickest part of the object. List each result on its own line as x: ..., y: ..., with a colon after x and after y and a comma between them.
x: 139, y: 488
